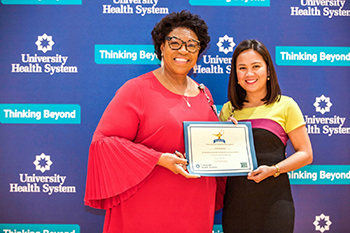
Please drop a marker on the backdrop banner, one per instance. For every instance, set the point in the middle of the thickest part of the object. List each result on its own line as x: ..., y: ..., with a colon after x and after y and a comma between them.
x: 62, y: 61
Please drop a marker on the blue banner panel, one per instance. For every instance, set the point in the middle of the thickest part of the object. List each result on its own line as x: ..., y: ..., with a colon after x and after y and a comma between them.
x: 39, y: 228
x: 41, y: 2
x: 217, y: 228
x: 230, y: 2
x: 39, y: 114
x: 321, y: 175
x: 126, y: 54
x: 312, y: 56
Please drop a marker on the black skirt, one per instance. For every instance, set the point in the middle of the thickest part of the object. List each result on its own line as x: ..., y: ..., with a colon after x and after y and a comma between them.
x: 267, y: 206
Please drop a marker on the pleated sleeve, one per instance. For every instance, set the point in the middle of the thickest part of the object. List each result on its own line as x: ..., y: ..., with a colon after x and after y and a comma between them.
x: 117, y: 166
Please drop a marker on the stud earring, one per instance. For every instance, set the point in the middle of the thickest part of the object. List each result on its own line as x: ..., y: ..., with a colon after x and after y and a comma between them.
x: 268, y: 78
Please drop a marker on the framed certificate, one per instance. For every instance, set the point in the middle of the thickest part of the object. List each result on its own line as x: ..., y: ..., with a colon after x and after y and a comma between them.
x: 219, y: 148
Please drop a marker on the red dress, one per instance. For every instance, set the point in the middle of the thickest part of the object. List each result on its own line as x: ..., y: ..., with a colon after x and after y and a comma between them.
x: 144, y: 120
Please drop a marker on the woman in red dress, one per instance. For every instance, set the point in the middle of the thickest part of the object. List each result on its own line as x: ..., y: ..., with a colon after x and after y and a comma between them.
x: 136, y: 168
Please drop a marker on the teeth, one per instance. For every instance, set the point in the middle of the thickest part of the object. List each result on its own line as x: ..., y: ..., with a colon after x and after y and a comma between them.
x: 180, y: 59
x: 251, y: 81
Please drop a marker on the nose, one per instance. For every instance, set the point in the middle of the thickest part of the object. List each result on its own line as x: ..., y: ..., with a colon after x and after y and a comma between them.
x: 183, y: 48
x: 249, y: 73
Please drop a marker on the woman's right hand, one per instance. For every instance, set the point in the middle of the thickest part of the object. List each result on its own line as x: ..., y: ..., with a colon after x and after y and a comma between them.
x: 175, y: 163
x: 233, y: 120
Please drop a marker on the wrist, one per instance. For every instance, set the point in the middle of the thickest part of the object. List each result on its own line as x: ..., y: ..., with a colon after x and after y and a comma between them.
x: 278, y: 172
x: 160, y: 161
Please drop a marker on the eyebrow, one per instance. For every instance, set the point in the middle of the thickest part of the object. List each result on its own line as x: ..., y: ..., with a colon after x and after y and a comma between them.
x: 257, y: 62
x: 196, y: 40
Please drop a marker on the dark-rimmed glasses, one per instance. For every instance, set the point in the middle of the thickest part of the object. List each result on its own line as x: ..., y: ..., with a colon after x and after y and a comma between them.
x: 176, y: 43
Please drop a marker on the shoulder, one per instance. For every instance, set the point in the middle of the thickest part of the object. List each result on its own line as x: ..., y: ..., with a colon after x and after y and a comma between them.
x: 286, y: 99
x: 226, y: 111
x: 289, y: 102
x: 285, y: 102
x: 291, y: 110
x: 204, y: 89
x: 227, y: 106
x: 144, y: 78
x: 139, y: 82
x: 132, y: 94
x: 293, y: 115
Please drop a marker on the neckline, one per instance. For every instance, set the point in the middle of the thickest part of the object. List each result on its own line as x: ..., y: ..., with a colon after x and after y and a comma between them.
x: 255, y: 107
x: 158, y: 82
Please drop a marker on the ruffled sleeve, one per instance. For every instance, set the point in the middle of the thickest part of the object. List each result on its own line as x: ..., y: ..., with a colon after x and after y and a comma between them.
x: 117, y: 166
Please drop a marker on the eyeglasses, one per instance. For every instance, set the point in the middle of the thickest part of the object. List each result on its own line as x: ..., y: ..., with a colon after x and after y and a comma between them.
x: 176, y: 43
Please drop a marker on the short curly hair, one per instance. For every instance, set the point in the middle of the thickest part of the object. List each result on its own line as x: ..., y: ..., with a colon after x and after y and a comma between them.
x: 174, y: 20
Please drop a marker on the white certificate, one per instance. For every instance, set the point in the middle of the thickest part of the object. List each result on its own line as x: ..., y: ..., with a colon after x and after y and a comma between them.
x: 219, y: 148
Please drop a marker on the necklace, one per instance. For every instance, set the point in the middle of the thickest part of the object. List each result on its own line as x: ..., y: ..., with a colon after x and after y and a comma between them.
x: 188, y: 103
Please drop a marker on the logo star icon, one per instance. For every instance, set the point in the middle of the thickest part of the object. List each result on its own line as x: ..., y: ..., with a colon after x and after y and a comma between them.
x: 320, y: 99
x: 40, y: 45
x: 229, y: 40
x: 325, y: 226
x: 38, y: 160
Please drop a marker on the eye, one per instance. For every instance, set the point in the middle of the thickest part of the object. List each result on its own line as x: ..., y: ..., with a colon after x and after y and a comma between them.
x: 241, y: 68
x: 192, y: 45
x: 174, y: 43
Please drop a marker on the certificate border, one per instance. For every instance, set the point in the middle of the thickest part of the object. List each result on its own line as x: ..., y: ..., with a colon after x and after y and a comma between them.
x: 253, y: 164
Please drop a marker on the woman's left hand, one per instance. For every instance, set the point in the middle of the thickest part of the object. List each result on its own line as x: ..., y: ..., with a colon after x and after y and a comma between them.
x: 261, y: 173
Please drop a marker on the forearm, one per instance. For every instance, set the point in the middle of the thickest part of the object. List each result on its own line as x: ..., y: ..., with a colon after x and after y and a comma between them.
x: 295, y: 161
x: 303, y: 151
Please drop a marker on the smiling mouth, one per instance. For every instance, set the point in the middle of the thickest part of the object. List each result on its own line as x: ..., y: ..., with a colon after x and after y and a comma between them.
x: 251, y: 81
x: 181, y: 59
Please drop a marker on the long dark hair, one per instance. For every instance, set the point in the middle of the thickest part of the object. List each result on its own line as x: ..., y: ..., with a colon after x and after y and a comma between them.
x: 236, y: 94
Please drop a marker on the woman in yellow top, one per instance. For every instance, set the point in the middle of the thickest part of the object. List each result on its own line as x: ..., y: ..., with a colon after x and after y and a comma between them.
x: 262, y: 201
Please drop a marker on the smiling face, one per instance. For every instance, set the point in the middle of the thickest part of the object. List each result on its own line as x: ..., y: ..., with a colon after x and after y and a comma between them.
x: 179, y: 62
x: 252, y: 73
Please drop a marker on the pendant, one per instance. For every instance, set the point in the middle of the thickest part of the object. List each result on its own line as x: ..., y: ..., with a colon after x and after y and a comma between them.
x: 188, y: 104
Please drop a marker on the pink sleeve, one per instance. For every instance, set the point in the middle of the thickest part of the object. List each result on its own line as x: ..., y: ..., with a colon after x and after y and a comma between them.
x: 117, y: 166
